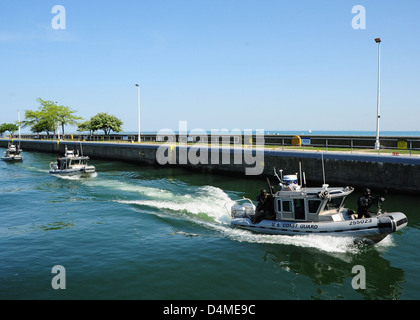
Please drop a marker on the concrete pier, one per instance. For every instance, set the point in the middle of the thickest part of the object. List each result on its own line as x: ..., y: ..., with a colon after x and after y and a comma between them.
x: 397, y: 174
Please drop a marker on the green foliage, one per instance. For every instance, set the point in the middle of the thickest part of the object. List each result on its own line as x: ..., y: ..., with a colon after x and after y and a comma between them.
x: 85, y: 126
x: 65, y: 117
x: 49, y: 116
x: 105, y: 122
x: 11, y: 127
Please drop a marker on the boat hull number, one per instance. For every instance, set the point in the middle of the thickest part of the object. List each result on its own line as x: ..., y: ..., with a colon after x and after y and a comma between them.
x: 356, y: 222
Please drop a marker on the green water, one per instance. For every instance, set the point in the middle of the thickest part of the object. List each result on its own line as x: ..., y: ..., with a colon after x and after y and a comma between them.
x: 137, y: 232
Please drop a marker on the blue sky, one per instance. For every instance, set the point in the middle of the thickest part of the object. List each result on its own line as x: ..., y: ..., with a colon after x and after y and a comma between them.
x: 247, y: 64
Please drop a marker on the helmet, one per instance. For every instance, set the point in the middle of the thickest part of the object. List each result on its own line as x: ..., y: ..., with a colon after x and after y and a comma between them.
x: 366, y: 192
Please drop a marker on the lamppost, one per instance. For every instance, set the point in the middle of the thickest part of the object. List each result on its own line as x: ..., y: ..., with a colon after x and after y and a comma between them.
x: 377, y: 144
x: 58, y: 125
x: 19, y: 124
x: 138, y: 86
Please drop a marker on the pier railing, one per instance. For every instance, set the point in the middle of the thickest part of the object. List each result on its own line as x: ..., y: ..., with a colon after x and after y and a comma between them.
x: 392, y: 145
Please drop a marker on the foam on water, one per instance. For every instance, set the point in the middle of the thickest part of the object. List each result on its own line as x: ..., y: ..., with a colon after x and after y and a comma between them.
x: 137, y: 190
x: 206, y: 200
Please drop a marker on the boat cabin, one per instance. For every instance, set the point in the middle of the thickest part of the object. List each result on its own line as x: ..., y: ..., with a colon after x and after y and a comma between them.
x: 70, y: 162
x: 310, y: 204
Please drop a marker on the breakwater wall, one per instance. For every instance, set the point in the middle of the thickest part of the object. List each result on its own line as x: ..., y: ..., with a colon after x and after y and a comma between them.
x: 397, y: 174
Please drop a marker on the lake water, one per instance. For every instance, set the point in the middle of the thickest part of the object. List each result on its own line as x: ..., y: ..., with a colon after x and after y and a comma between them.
x: 140, y: 232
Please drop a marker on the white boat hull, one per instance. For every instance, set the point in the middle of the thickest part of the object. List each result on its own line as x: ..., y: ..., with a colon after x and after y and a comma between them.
x: 374, y: 229
x: 12, y: 154
x: 71, y: 165
x: 83, y: 172
x: 12, y: 159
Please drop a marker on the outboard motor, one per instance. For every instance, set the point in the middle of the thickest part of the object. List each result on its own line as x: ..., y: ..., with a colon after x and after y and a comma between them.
x: 249, y: 209
x: 242, y: 210
x: 237, y: 211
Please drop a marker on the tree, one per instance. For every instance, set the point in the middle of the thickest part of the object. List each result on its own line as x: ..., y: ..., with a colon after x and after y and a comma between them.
x: 33, y: 119
x: 66, y: 117
x: 11, y: 127
x: 41, y: 120
x: 106, y: 122
x: 49, y: 116
x: 85, y: 126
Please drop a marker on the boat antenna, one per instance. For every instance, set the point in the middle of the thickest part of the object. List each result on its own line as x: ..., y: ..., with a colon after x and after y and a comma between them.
x: 81, y: 148
x: 300, y: 173
x: 276, y: 175
x: 269, y: 186
x: 323, y: 169
x: 19, y: 126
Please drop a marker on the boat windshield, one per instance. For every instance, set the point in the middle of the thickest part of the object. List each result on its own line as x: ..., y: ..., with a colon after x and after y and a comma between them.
x: 334, y: 203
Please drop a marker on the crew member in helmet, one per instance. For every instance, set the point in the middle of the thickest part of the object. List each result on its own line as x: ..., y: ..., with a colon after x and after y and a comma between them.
x: 364, y: 203
x: 261, y: 207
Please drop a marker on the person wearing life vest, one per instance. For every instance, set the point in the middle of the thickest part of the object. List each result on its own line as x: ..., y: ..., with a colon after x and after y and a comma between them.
x: 261, y: 207
x: 364, y: 203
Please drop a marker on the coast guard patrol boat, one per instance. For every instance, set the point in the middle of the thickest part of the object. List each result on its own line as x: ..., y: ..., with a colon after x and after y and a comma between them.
x: 298, y: 210
x: 72, y: 165
x: 13, y: 153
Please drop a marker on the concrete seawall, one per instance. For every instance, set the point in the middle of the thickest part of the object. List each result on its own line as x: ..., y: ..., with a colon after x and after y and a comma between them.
x: 398, y: 174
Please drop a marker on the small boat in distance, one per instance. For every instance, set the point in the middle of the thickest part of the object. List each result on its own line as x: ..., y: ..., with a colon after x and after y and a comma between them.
x: 13, y: 153
x: 298, y: 210
x: 72, y: 165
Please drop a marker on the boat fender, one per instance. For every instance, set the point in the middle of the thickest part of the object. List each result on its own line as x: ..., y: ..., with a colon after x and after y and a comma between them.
x: 324, y: 194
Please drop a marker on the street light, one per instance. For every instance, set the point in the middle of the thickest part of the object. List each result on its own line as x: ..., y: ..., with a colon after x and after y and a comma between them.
x: 377, y: 144
x: 58, y: 125
x: 19, y: 124
x: 138, y: 86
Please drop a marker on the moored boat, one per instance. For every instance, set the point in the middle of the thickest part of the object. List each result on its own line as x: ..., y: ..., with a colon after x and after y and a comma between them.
x: 298, y: 210
x: 72, y: 165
